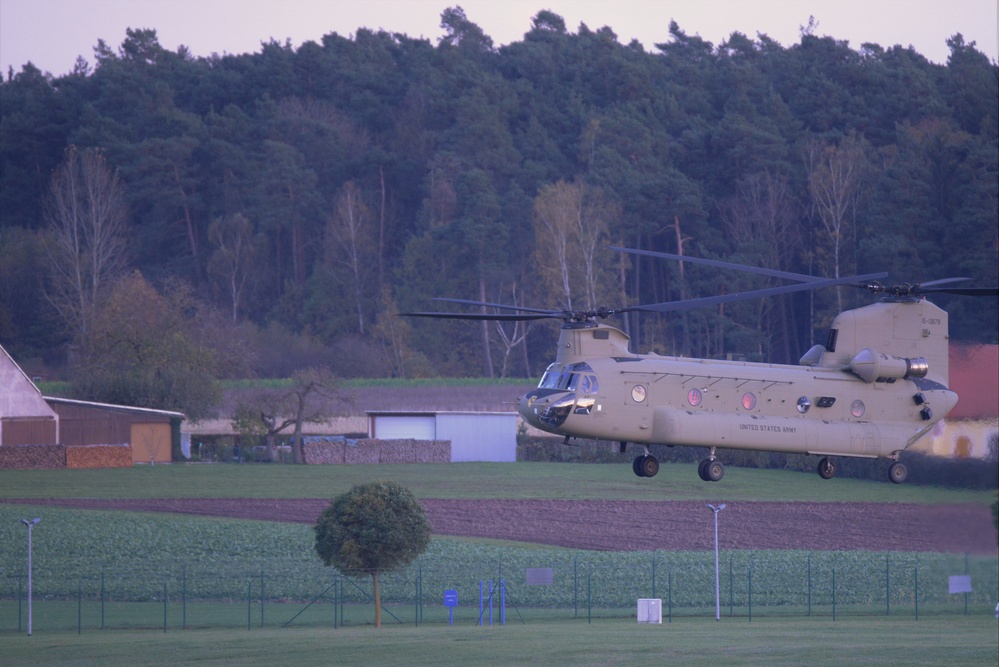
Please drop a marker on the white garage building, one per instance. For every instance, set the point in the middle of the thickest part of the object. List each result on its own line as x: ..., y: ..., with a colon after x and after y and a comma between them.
x: 474, y: 436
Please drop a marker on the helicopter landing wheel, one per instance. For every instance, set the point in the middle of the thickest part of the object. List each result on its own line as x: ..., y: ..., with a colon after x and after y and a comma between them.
x: 897, y: 472
x: 827, y: 468
x: 714, y: 470
x: 649, y: 465
x: 700, y: 470
x: 636, y: 466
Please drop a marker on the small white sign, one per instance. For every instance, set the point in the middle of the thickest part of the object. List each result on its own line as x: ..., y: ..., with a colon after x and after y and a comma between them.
x: 960, y: 584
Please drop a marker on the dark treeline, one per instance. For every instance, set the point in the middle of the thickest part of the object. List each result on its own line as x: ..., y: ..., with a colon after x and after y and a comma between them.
x: 300, y: 198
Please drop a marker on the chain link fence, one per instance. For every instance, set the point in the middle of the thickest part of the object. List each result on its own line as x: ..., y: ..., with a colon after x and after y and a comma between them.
x: 570, y: 586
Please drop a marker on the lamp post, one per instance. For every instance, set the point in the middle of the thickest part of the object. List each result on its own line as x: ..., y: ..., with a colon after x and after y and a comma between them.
x: 715, y: 510
x: 30, y: 524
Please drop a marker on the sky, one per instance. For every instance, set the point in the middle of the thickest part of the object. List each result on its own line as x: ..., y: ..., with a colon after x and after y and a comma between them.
x: 52, y: 33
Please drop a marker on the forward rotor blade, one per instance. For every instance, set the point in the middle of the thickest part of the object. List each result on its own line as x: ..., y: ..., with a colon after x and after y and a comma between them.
x: 491, y: 317
x: 754, y: 294
x: 775, y: 273
x: 504, y: 306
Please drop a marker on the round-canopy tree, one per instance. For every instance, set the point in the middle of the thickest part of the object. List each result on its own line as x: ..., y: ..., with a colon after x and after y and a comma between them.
x: 373, y: 528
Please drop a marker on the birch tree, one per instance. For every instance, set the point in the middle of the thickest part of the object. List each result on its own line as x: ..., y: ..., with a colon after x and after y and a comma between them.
x: 86, y: 216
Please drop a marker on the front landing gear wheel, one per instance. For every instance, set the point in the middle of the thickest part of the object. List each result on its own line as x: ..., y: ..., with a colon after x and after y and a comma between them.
x: 897, y: 472
x: 827, y: 468
x: 701, y: 470
x: 649, y: 465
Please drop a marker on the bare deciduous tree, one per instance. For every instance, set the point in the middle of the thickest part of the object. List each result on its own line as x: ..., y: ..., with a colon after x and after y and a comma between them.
x: 86, y: 215
x: 835, y: 180
x: 349, y: 239
x: 232, y: 261
x: 571, y: 222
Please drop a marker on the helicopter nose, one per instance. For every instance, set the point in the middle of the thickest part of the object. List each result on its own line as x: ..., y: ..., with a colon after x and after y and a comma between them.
x: 542, y: 408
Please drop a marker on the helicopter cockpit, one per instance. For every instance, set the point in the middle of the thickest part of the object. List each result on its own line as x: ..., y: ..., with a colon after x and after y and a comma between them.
x: 573, y: 377
x: 569, y: 388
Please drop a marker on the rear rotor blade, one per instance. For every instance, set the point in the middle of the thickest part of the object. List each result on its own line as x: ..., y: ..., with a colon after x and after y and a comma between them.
x: 754, y: 294
x: 775, y: 273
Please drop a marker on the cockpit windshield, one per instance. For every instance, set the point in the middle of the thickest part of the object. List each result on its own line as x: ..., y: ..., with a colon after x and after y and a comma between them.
x: 574, y: 377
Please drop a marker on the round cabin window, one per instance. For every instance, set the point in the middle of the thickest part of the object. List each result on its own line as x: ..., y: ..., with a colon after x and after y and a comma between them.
x: 694, y: 397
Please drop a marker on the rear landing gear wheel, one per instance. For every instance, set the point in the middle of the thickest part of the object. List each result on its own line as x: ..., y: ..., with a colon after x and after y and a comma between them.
x: 649, y: 465
x: 714, y: 470
x: 701, y: 472
x: 897, y: 472
x: 636, y: 466
x: 827, y: 468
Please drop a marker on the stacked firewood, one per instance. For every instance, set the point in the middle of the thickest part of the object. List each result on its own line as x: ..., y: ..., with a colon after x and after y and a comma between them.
x: 99, y: 456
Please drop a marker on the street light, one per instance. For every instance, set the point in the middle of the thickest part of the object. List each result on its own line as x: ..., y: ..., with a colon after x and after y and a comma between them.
x: 717, y: 597
x: 30, y: 524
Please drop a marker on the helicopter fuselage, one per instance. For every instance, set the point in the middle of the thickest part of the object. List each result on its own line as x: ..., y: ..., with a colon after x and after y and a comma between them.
x: 867, y: 404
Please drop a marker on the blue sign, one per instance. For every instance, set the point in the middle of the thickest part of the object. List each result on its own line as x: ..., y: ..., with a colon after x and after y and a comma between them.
x: 450, y: 601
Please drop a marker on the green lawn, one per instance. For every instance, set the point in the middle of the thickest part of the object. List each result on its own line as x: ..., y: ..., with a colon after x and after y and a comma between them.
x: 960, y: 640
x: 464, y: 480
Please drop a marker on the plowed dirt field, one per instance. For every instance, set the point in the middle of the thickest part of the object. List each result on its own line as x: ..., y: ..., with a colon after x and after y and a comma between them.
x: 644, y: 525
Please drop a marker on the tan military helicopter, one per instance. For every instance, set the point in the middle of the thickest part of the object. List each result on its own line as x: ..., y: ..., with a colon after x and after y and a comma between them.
x: 877, y: 386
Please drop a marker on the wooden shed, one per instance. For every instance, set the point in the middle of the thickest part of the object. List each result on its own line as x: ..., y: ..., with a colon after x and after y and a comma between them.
x: 474, y: 436
x: 150, y: 432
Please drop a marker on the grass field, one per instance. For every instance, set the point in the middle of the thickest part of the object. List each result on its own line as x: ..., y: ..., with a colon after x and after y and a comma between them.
x: 859, y: 636
x: 675, y: 481
x: 967, y: 641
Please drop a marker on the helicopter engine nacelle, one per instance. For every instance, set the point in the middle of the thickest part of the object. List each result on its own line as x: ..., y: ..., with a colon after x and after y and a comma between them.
x: 871, y: 366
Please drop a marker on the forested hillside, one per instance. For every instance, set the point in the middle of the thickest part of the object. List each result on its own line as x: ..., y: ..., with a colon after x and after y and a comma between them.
x: 252, y: 214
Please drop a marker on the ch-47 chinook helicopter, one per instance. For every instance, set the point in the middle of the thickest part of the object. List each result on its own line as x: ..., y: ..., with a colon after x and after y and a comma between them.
x: 877, y: 386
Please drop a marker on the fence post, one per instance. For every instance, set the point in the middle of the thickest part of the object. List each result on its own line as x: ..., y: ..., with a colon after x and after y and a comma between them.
x: 834, y: 591
x: 965, y: 594
x: 653, y: 574
x: 809, y: 583
x: 669, y: 593
x: 887, y: 585
x: 575, y: 587
x: 589, y: 598
x: 343, y: 621
x: 731, y: 596
x: 164, y: 606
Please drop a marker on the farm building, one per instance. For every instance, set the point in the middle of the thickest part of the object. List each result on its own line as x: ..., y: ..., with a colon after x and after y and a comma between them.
x: 148, y: 431
x: 60, y: 428
x: 474, y: 436
x: 25, y: 417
